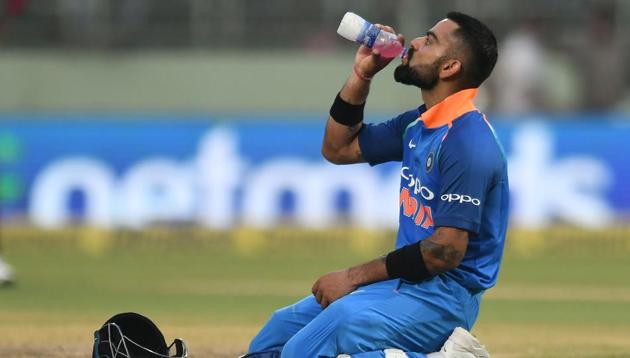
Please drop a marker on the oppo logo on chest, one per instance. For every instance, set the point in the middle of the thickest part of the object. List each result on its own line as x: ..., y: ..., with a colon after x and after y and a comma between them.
x: 414, y: 182
x: 411, y: 206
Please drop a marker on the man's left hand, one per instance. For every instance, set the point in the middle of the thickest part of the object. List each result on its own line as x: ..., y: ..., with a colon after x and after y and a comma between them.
x: 332, y: 286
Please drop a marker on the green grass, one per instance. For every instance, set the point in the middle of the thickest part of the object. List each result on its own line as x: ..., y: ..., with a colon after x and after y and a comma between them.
x: 215, y: 290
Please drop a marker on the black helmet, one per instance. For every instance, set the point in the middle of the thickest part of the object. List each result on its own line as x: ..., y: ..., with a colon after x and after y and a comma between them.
x: 131, y: 335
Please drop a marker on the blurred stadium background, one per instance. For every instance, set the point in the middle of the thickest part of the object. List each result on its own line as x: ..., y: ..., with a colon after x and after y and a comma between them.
x: 162, y: 156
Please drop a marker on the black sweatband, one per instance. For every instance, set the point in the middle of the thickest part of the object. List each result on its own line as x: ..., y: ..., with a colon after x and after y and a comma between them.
x: 346, y: 113
x: 407, y: 263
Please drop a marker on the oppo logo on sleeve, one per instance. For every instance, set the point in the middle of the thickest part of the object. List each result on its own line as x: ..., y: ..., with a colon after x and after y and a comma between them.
x: 459, y: 198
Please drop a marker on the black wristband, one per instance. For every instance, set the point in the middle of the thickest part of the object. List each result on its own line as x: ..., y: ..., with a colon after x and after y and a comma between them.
x: 346, y: 113
x: 407, y: 263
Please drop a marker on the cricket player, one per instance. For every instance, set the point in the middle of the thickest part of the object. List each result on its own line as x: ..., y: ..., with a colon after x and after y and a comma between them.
x: 423, y: 296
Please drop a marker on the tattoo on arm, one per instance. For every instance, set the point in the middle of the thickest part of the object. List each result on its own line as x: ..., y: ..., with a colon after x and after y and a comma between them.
x: 446, y: 253
x: 444, y: 250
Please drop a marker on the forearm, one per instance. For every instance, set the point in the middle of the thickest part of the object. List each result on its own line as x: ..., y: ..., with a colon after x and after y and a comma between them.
x: 340, y: 144
x: 437, y: 256
x: 355, y: 90
x: 441, y: 252
x: 369, y: 272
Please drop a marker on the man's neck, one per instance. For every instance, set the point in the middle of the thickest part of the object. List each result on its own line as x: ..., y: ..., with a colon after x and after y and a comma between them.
x: 436, y: 95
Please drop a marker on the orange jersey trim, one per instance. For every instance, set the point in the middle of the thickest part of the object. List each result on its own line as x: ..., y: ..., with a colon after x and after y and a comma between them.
x: 451, y: 108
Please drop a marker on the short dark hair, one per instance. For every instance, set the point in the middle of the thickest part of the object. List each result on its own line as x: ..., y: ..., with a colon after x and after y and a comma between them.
x: 480, y: 48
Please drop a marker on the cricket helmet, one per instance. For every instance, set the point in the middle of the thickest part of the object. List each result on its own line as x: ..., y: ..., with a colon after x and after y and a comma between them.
x: 132, y: 335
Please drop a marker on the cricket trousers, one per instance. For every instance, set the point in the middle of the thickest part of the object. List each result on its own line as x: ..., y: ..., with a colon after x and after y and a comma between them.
x: 414, y: 317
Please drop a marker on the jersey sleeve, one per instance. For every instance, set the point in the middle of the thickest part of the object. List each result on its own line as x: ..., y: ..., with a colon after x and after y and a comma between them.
x: 468, y: 167
x: 383, y: 142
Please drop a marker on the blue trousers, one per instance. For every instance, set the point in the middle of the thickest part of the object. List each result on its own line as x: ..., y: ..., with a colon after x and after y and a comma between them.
x: 414, y: 317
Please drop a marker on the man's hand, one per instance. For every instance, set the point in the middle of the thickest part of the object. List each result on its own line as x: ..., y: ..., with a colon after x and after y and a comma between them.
x: 333, y: 286
x: 369, y: 61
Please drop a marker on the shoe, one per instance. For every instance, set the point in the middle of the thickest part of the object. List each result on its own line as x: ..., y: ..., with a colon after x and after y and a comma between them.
x: 462, y: 344
x: 395, y: 353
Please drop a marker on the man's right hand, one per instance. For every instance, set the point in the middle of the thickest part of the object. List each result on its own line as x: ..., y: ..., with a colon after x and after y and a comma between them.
x: 368, y: 61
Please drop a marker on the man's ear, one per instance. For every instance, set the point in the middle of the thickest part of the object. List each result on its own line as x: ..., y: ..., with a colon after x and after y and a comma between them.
x: 450, y: 68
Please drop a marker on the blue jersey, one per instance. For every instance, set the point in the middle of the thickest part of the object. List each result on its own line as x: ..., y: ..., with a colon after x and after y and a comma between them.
x: 454, y: 174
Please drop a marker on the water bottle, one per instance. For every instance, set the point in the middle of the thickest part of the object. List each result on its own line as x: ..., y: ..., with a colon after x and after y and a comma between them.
x: 354, y: 28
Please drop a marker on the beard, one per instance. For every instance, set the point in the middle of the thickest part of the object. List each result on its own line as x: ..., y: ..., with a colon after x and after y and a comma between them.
x: 422, y: 76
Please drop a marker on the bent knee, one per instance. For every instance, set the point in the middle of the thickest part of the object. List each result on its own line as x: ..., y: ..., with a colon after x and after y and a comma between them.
x: 274, y: 333
x: 364, y: 331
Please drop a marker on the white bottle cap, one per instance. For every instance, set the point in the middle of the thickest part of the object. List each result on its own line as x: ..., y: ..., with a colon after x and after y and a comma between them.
x: 351, y: 26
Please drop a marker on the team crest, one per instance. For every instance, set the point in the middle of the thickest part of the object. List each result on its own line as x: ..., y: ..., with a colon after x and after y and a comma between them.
x: 429, y: 164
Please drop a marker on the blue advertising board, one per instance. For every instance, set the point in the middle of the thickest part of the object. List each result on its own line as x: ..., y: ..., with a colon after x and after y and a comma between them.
x: 132, y: 171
